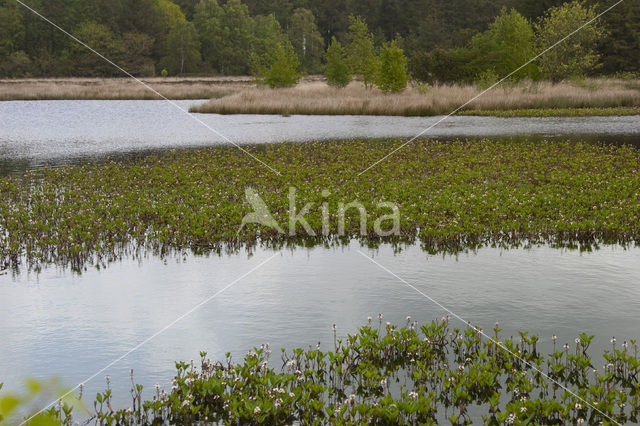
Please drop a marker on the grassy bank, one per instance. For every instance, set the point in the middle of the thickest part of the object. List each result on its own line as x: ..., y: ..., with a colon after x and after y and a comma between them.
x: 388, y: 375
x: 121, y: 88
x: 318, y: 98
x: 557, y: 112
x: 451, y: 196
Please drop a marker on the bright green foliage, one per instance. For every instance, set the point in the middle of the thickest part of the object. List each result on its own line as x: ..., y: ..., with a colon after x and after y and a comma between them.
x: 306, y: 40
x: 206, y: 18
x: 83, y: 62
x: 169, y: 18
x: 504, y: 47
x: 273, y: 58
x: 337, y: 70
x: 283, y: 72
x: 392, y: 72
x: 233, y: 38
x: 360, y: 51
x: 390, y: 375
x: 576, y: 55
x: 452, y: 196
x: 13, y: 406
x: 267, y: 38
x: 183, y: 48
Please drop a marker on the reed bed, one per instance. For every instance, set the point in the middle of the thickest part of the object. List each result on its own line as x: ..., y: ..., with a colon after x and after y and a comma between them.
x: 389, y: 375
x: 451, y: 196
x: 121, y: 88
x: 317, y: 98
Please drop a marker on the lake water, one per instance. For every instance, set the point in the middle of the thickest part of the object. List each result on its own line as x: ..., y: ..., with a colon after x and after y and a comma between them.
x: 60, y: 323
x: 50, y: 133
x: 73, y: 326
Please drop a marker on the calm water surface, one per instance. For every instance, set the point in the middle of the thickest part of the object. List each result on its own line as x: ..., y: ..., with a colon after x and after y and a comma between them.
x: 58, y: 323
x: 72, y: 326
x: 36, y: 134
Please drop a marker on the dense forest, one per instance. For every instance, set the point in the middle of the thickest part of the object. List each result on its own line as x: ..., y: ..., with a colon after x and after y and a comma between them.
x: 240, y: 37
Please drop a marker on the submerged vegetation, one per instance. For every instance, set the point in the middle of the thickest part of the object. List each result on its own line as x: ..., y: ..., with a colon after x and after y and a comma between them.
x: 318, y: 98
x: 386, y: 374
x: 451, y: 196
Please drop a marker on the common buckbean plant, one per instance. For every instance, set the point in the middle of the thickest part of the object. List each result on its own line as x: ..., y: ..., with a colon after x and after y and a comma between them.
x: 384, y: 374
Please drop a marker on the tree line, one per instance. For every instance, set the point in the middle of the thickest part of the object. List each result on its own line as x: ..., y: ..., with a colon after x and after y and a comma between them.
x: 436, y: 40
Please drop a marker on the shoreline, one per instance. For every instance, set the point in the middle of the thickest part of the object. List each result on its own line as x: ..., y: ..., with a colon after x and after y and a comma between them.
x: 312, y: 96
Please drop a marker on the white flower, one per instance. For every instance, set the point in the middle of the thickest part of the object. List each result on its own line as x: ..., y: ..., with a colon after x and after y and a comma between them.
x: 256, y: 410
x: 512, y: 419
x: 413, y: 395
x: 523, y: 409
x: 292, y: 395
x: 580, y: 420
x: 578, y: 406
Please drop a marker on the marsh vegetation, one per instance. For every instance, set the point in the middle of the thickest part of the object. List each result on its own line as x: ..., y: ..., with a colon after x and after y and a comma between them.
x: 121, y: 88
x: 451, y: 196
x: 570, y: 98
x: 385, y: 374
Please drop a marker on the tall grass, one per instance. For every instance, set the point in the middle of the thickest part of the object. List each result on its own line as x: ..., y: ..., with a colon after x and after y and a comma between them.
x: 121, y: 88
x: 319, y: 98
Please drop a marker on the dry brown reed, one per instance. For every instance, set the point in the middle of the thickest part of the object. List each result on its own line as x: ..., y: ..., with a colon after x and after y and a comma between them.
x: 316, y: 97
x: 122, y: 88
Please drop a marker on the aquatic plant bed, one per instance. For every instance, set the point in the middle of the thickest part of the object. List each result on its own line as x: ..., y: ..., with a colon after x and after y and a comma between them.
x: 427, y: 374
x: 450, y: 196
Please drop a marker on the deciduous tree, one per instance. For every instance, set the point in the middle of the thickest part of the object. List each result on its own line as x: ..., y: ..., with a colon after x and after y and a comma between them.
x: 337, y: 70
x: 360, y: 51
x: 576, y: 55
x: 306, y: 40
x: 392, y: 74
